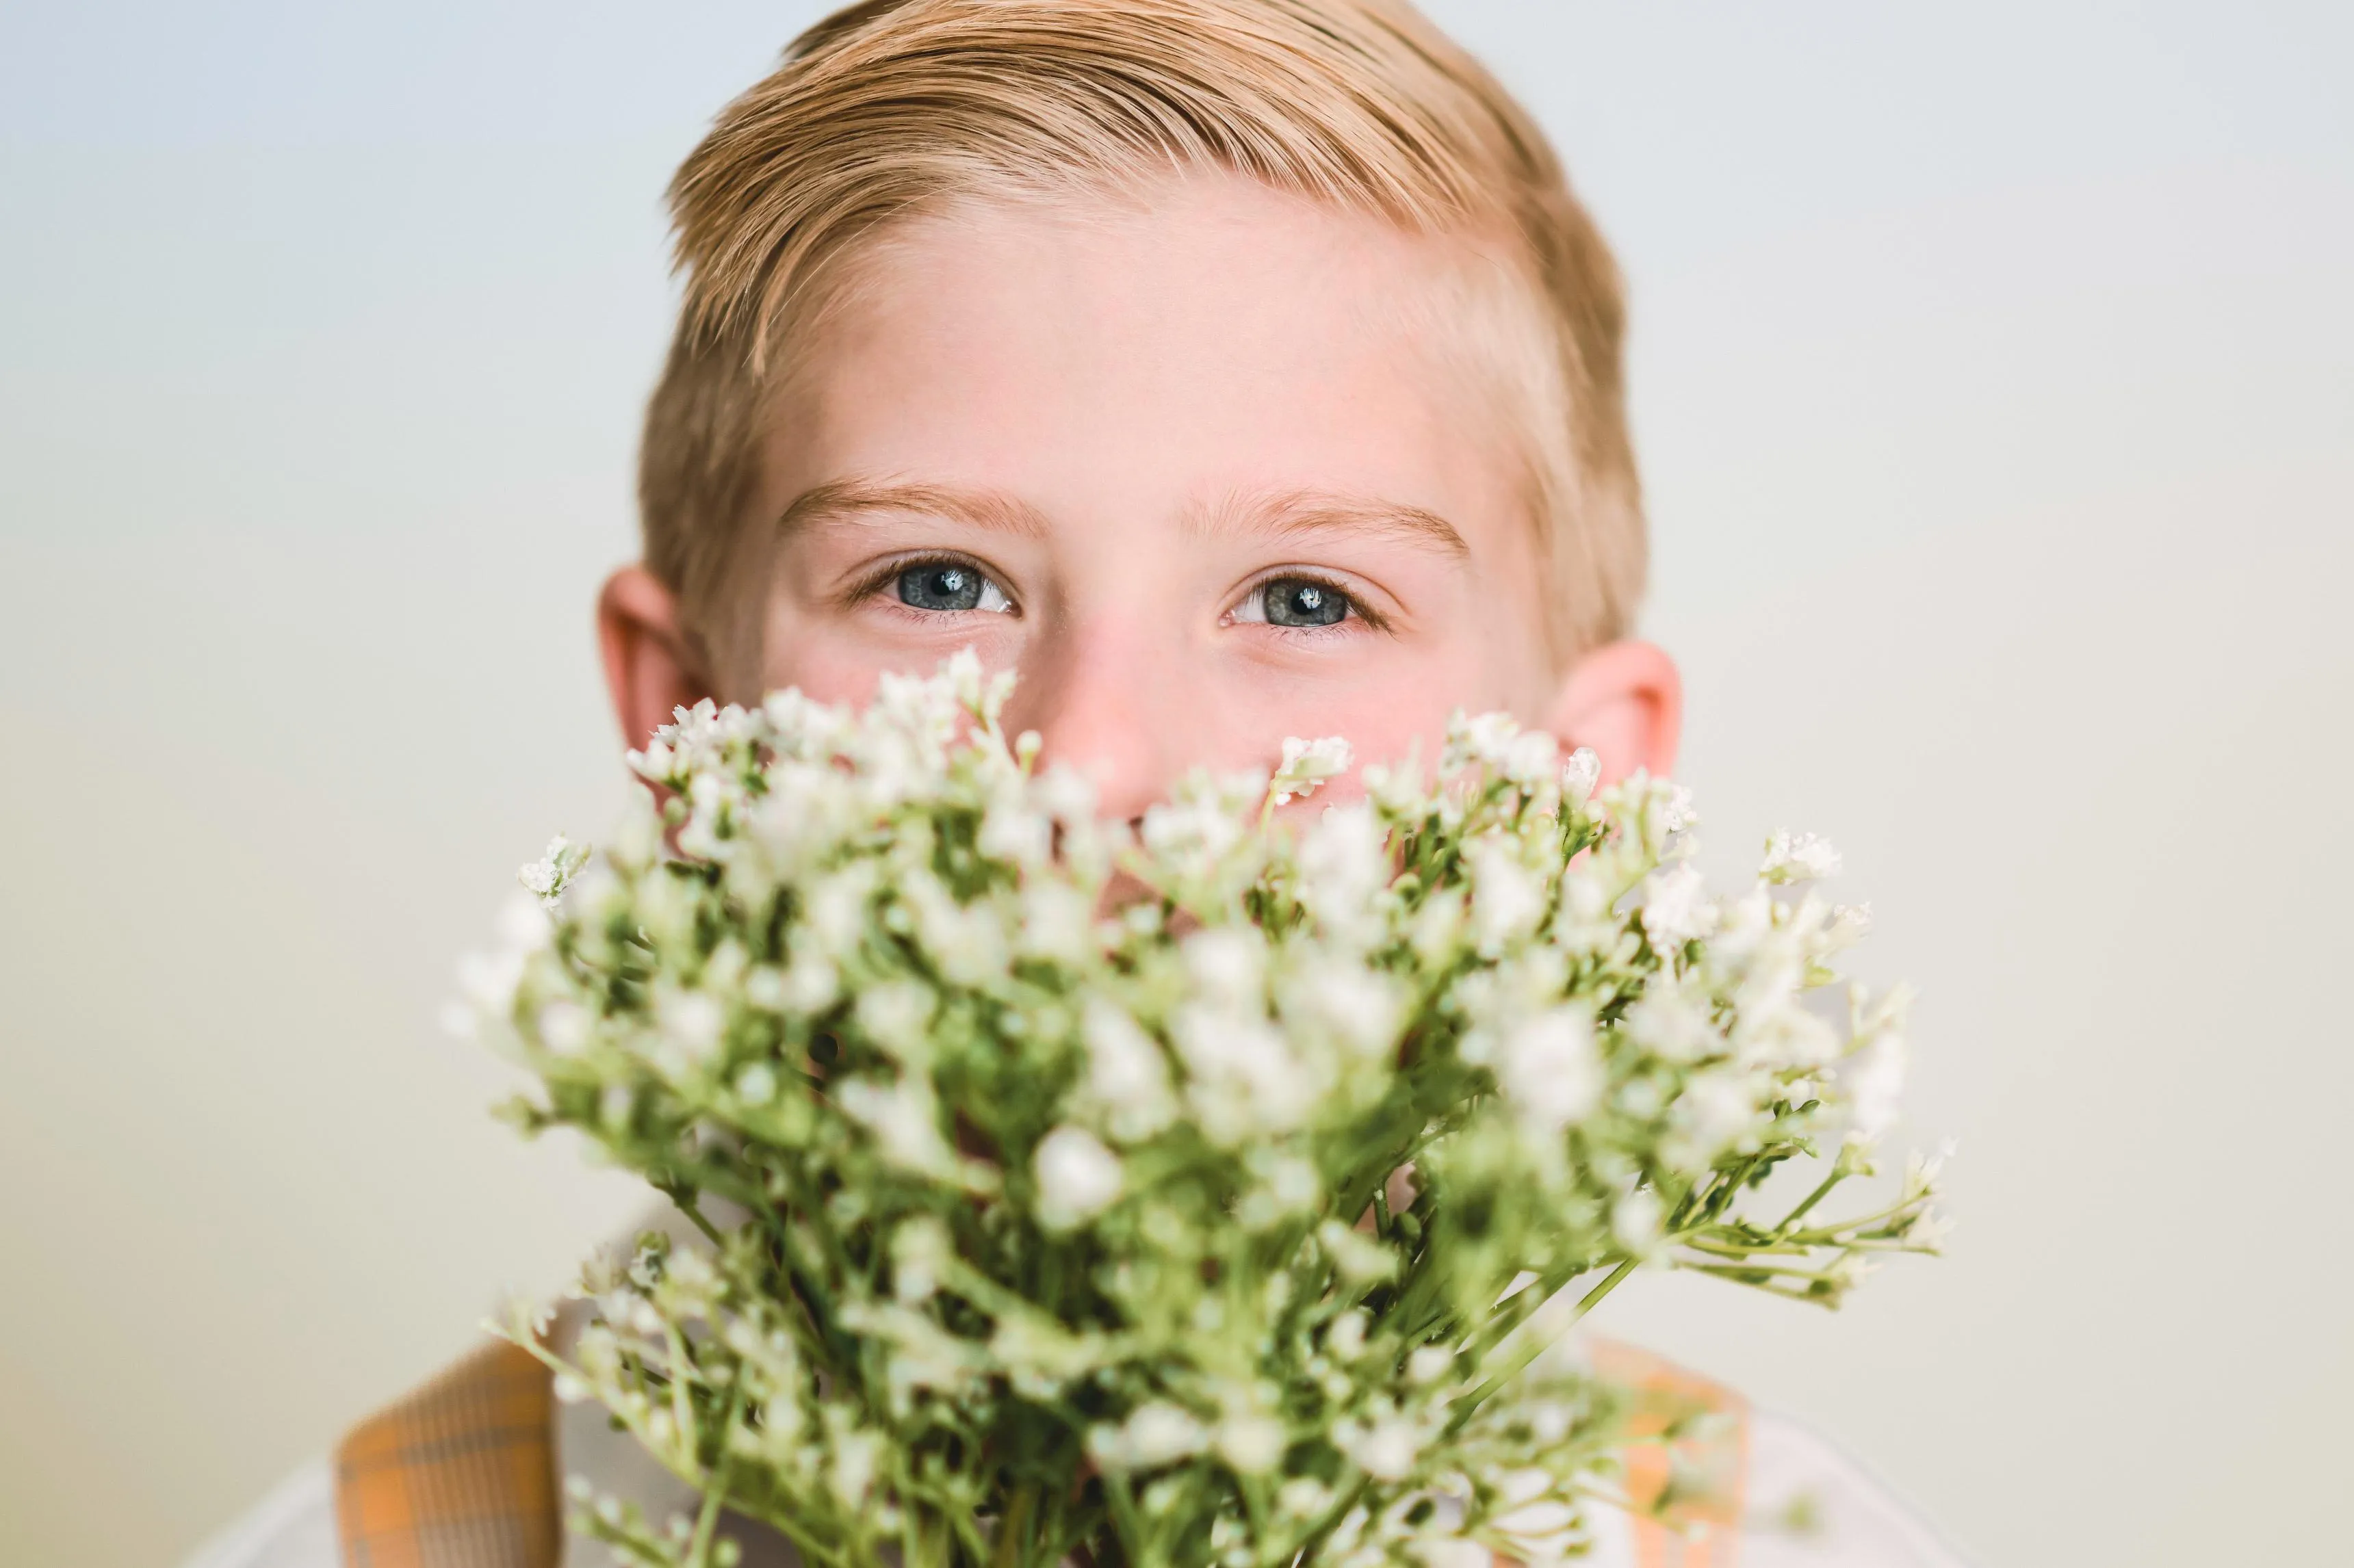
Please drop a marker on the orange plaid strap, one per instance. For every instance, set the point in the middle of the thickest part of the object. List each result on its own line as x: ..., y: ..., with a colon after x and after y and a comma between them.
x: 1687, y: 1467
x: 461, y: 1474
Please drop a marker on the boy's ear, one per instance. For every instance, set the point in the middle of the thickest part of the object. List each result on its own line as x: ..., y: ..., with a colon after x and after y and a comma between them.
x: 648, y: 667
x: 1626, y: 701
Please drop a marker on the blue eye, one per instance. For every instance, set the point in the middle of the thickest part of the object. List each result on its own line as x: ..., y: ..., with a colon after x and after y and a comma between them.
x: 950, y: 586
x: 1298, y: 601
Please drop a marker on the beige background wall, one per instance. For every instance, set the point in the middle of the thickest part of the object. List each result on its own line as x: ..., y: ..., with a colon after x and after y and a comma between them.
x: 1994, y: 378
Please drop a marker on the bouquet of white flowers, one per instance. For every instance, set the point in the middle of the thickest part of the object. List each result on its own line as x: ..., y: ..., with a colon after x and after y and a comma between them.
x: 1208, y: 1193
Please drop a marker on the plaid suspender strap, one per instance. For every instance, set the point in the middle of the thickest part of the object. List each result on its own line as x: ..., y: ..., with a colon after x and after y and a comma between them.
x: 1687, y: 1466
x: 461, y: 1474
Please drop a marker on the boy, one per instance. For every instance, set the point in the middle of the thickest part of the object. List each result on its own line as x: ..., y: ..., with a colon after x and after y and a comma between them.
x: 1231, y: 369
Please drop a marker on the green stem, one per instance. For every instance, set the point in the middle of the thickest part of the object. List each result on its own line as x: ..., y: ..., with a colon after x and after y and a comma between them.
x: 715, y: 1495
x: 1734, y: 1249
x: 1593, y: 1297
x: 1333, y: 1515
x: 1840, y: 1173
x: 1806, y: 1298
x: 681, y: 1404
x: 1537, y: 1346
x: 683, y: 1198
x: 1743, y: 1270
x: 1009, y: 1527
x: 1126, y: 1523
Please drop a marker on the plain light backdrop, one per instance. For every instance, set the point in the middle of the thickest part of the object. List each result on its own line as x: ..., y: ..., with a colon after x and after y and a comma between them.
x: 1994, y: 379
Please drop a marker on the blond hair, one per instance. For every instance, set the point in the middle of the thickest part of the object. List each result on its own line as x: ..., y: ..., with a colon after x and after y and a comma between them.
x: 892, y: 108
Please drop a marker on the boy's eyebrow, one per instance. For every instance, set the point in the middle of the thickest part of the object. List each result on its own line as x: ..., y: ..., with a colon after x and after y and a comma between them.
x: 850, y: 499
x: 1285, y: 514
x: 1293, y: 513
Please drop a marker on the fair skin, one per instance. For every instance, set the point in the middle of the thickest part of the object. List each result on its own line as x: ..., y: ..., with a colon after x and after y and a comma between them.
x: 1185, y: 466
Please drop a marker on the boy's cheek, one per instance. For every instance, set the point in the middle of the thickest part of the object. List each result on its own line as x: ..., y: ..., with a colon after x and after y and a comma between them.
x: 1401, y: 712
x: 1389, y: 732
x: 833, y: 662
x: 820, y: 667
x: 1218, y: 713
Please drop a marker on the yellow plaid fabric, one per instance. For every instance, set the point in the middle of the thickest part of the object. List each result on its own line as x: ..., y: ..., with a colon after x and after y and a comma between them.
x: 461, y: 1474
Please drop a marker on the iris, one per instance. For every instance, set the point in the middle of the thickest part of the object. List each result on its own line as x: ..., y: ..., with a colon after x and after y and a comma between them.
x: 1293, y: 601
x: 938, y: 587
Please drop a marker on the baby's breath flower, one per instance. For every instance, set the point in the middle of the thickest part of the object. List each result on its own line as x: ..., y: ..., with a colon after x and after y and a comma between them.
x: 1635, y: 1220
x: 1126, y: 1074
x: 1228, y: 963
x: 1674, y: 1025
x: 1548, y: 1069
x: 564, y: 1026
x: 1579, y: 774
x: 895, y: 1014
x: 1875, y: 1073
x: 1717, y: 1108
x: 1303, y: 1498
x: 1153, y: 1435
x: 1922, y: 1170
x: 1077, y: 1177
x: 1360, y: 1009
x: 1057, y: 922
x: 1253, y: 1444
x: 903, y: 1118
x: 545, y: 878
x: 756, y: 1086
x: 1507, y: 897
x: 1799, y: 858
x: 1307, y: 764
x: 1927, y: 1230
x: 1478, y: 740
x: 1065, y: 795
x: 1676, y: 813
x: 1203, y: 1158
x: 1243, y: 1078
x: 1676, y: 909
x: 1534, y: 1511
x: 1529, y: 756
x: 1014, y: 834
x: 1343, y: 862
x: 1387, y: 1450
x: 691, y: 1020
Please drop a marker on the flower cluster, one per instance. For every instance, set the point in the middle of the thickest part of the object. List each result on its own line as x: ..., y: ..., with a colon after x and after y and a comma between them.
x: 1208, y: 1193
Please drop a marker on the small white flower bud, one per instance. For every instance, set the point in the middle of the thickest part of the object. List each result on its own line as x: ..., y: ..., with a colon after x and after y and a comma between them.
x: 1077, y: 1177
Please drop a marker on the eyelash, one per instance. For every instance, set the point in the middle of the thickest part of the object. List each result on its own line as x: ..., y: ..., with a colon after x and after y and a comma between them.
x: 873, y: 584
x: 1358, y: 608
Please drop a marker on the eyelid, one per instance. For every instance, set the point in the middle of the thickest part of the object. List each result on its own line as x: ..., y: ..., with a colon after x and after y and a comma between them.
x: 1332, y: 582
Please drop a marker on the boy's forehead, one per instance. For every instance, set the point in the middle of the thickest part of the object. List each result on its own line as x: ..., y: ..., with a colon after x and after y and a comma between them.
x: 1218, y: 340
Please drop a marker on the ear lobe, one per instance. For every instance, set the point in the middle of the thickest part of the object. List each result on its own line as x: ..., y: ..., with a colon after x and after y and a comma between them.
x: 649, y: 668
x: 1626, y: 701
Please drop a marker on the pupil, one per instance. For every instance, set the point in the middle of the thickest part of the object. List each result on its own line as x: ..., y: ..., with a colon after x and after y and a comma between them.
x: 1297, y: 603
x: 940, y: 588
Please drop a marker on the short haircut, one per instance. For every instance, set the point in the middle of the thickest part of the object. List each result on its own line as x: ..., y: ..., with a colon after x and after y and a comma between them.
x: 893, y: 108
